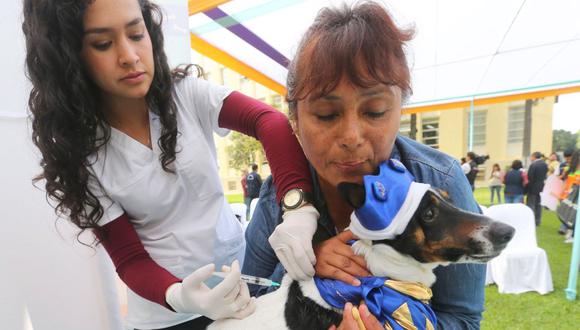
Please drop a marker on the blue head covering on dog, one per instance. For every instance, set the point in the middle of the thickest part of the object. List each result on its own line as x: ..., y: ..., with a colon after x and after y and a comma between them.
x: 391, y: 199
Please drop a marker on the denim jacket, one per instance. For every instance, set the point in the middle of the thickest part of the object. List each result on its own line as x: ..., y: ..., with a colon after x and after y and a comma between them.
x: 458, y: 293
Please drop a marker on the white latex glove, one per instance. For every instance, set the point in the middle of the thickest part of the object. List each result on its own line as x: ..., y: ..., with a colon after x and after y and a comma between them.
x: 292, y: 242
x: 230, y: 298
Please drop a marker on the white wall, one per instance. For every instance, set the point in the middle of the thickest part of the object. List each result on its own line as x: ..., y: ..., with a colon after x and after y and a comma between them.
x: 13, y: 85
x: 63, y: 284
x: 47, y: 279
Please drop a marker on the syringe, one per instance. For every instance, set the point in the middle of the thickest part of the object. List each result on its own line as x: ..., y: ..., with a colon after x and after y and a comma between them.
x: 250, y: 279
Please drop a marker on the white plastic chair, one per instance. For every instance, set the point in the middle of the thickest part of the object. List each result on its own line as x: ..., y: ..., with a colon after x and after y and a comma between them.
x: 488, y: 278
x: 239, y: 210
x: 522, y: 266
x: 253, y: 204
x: 483, y: 208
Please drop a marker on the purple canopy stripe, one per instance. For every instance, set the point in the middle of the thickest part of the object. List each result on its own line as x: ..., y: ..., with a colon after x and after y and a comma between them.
x: 220, y: 17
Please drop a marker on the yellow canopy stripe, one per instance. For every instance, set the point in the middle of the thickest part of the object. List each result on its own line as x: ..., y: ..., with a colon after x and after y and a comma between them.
x: 491, y: 100
x: 220, y: 56
x: 197, y: 6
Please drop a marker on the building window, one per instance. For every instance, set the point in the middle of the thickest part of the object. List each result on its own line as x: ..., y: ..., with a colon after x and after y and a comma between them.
x: 430, y: 132
x: 222, y: 76
x: 244, y: 82
x: 232, y: 185
x: 479, y: 128
x: 515, y: 136
x: 405, y: 126
x: 277, y: 102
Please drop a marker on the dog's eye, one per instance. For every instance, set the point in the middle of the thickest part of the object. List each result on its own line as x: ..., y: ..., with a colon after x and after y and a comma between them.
x: 429, y: 214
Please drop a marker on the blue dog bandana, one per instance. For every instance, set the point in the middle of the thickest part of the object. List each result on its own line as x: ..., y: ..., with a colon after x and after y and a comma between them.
x: 396, y: 304
x: 392, y: 197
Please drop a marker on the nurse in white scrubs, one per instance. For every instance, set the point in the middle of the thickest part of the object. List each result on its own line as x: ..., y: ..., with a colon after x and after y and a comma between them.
x: 128, y: 151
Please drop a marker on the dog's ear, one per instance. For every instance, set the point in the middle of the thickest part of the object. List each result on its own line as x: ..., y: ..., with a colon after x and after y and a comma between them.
x: 353, y: 193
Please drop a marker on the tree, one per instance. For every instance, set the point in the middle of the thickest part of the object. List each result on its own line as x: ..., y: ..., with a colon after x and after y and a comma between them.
x: 563, y: 140
x: 243, y: 150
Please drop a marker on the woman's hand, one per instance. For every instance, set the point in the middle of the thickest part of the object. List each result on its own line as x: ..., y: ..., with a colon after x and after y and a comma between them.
x: 357, y: 319
x: 335, y: 259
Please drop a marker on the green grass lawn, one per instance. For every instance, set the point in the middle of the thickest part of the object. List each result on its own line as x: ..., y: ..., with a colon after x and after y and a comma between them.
x: 235, y: 198
x: 532, y: 310
x: 528, y: 310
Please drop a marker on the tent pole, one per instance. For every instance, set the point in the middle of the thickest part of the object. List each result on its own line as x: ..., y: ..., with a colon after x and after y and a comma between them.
x: 575, y: 261
x: 470, y: 137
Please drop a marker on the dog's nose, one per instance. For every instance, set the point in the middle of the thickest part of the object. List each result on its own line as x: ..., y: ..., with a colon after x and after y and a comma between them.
x: 501, y: 233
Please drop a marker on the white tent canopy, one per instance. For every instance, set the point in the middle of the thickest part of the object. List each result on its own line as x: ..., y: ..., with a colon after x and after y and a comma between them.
x: 461, y: 50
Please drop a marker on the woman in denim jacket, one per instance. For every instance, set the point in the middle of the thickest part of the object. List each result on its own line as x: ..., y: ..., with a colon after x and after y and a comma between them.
x: 346, y: 113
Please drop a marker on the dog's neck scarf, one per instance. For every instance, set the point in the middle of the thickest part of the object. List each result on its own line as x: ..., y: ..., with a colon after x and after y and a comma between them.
x: 396, y: 304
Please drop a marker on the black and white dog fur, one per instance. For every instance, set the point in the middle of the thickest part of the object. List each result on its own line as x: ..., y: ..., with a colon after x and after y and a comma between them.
x: 438, y: 234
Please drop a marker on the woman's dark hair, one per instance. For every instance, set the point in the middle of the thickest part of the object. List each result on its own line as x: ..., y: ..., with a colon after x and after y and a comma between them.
x: 360, y: 42
x: 517, y: 164
x: 574, y: 164
x: 67, y: 123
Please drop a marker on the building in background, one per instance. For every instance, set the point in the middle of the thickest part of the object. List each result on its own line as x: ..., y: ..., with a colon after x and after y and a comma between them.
x: 221, y: 75
x: 504, y: 131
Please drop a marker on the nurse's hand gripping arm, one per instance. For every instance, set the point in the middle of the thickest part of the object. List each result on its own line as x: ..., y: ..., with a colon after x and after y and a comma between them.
x: 229, y: 299
x: 292, y: 240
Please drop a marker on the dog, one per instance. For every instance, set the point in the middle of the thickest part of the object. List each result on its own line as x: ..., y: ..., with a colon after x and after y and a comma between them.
x: 432, y: 233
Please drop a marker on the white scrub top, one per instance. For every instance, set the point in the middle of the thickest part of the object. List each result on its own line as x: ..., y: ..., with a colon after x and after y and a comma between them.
x: 182, y: 219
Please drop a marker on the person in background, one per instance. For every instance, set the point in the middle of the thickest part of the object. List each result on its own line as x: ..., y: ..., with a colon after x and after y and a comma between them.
x: 553, y: 163
x: 571, y: 178
x: 495, y: 182
x: 346, y: 115
x: 465, y: 166
x: 536, y: 177
x: 128, y: 152
x: 473, y: 169
x: 244, y: 184
x: 515, y: 181
x: 253, y: 184
x: 564, y: 166
x: 566, y: 162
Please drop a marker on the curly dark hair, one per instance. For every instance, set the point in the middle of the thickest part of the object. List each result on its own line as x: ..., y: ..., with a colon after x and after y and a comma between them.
x: 67, y: 124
